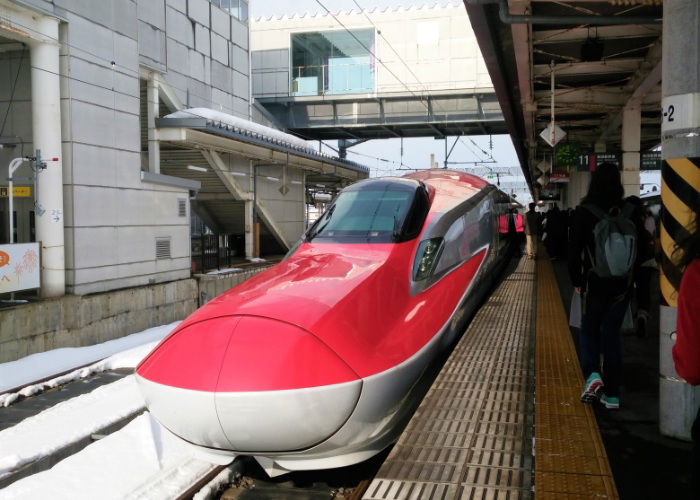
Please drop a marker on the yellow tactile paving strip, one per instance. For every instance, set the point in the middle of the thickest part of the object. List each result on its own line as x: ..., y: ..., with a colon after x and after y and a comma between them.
x: 570, y: 459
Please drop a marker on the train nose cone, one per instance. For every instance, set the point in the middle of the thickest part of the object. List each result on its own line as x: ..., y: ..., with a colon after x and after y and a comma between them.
x: 281, y: 388
x: 249, y: 384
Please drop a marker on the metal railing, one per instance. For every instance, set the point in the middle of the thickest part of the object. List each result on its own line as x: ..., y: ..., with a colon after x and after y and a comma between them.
x: 324, y: 73
x: 216, y: 251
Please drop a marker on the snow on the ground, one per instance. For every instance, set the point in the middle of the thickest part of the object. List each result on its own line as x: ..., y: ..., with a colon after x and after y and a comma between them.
x: 67, y: 422
x: 143, y: 460
x: 44, y: 364
x: 226, y: 270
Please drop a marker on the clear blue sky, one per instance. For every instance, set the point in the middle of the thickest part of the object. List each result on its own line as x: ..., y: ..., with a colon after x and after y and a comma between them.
x: 386, y: 154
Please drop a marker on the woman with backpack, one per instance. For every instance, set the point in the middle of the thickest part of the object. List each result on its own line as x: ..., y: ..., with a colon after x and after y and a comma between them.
x: 602, y: 258
x: 686, y: 350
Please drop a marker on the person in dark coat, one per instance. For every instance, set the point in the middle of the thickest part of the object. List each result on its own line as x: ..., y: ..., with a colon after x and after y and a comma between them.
x: 532, y: 231
x: 604, y: 299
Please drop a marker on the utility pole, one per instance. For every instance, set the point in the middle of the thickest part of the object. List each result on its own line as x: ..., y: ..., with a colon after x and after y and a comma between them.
x: 680, y: 131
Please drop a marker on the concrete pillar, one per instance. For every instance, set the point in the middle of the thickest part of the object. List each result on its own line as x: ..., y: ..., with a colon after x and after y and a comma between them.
x: 46, y: 118
x: 248, y: 224
x: 631, y: 142
x: 680, y: 129
x: 153, y: 110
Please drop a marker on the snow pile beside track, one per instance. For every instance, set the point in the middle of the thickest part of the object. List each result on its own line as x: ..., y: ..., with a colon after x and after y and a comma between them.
x: 141, y: 461
x: 67, y: 422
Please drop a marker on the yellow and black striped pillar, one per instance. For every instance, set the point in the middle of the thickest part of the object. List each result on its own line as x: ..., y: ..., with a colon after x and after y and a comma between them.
x: 680, y: 196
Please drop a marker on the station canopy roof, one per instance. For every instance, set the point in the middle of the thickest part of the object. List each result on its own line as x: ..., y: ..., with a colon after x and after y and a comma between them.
x: 203, y: 128
x: 606, y: 55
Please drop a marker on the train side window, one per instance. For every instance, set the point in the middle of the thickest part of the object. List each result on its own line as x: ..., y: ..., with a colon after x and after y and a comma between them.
x: 451, y: 255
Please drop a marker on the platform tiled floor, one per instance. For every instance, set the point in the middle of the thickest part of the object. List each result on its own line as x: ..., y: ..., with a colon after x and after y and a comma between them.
x: 503, y: 419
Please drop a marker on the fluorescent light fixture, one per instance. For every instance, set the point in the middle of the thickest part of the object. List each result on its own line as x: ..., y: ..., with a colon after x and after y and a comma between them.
x: 196, y: 168
x: 296, y: 182
x: 272, y: 178
x: 239, y: 174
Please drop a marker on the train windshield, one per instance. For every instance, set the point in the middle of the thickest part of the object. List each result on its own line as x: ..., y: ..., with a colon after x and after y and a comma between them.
x: 375, y: 212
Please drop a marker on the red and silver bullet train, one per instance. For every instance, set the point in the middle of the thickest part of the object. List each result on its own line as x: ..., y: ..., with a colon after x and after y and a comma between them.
x: 314, y: 362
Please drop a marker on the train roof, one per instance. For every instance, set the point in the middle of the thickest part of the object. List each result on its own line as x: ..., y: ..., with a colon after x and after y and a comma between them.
x: 438, y: 176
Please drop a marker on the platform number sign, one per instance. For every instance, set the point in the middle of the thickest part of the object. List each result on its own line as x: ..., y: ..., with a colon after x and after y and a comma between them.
x: 680, y: 112
x: 668, y: 114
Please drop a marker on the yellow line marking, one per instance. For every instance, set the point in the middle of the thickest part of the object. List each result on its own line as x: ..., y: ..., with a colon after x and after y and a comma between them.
x: 571, y: 457
x: 667, y: 244
x: 689, y: 171
x: 678, y: 209
x: 667, y: 290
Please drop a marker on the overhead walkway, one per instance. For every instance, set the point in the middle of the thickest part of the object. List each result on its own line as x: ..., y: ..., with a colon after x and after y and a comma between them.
x: 390, y: 115
x: 503, y: 419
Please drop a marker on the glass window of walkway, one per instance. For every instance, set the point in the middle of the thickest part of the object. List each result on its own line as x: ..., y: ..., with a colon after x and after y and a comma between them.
x: 333, y: 62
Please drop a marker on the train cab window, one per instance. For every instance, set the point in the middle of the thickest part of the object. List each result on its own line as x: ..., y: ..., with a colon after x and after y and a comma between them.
x: 381, y: 211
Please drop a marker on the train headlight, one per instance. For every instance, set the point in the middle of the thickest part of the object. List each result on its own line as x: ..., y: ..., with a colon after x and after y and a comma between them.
x: 426, y: 257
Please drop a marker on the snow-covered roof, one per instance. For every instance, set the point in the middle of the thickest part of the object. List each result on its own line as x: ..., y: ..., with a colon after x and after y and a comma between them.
x: 260, y: 132
x: 371, y: 10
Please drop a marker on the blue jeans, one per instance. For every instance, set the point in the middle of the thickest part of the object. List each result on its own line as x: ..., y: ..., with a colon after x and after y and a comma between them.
x: 600, y: 334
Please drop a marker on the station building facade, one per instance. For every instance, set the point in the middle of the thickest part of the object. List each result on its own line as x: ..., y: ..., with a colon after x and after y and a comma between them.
x: 427, y: 48
x: 91, y: 85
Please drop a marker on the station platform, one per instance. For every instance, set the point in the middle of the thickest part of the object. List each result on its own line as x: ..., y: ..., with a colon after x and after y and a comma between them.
x: 503, y: 418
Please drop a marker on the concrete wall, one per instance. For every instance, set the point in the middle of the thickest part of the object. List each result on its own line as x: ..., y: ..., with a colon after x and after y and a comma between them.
x: 213, y: 285
x: 74, y: 321
x: 112, y: 217
x: 287, y: 210
x: 576, y: 189
x: 436, y: 42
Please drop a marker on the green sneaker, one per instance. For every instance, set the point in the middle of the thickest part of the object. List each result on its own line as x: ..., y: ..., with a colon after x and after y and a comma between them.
x: 592, y: 388
x: 610, y: 402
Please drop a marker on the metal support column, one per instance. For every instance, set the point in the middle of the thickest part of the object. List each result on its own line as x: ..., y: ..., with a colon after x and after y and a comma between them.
x: 680, y: 194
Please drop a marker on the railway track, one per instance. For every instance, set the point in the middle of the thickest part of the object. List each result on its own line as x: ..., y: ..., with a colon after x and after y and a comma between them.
x: 346, y: 483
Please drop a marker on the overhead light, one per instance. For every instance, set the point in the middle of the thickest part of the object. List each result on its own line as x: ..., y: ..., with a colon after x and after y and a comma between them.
x: 272, y: 178
x: 592, y: 50
x: 239, y: 174
x: 196, y: 168
x: 296, y: 182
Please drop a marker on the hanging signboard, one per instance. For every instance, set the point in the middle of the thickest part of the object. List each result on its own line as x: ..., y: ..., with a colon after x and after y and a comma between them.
x: 19, y: 267
x: 552, y: 135
x: 651, y: 160
x: 589, y: 161
x: 558, y: 177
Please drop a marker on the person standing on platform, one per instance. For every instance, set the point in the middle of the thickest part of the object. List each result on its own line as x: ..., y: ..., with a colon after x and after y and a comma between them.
x: 532, y: 230
x: 686, y: 351
x: 645, y: 272
x: 601, y: 260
